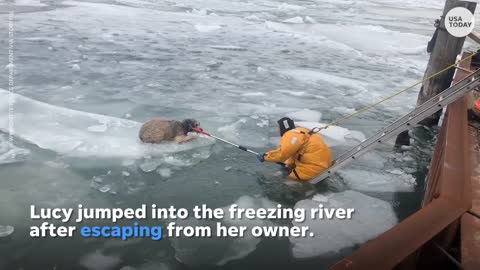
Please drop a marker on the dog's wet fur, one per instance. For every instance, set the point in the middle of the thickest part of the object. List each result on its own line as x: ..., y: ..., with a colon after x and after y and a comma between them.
x: 160, y: 130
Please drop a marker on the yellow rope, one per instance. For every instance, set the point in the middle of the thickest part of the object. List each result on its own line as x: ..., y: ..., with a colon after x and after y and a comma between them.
x: 366, y: 108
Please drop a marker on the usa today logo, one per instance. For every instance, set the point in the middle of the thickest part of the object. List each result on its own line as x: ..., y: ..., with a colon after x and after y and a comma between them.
x: 459, y: 22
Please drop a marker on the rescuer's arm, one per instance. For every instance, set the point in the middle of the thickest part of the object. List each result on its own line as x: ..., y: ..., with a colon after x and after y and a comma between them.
x: 290, y: 144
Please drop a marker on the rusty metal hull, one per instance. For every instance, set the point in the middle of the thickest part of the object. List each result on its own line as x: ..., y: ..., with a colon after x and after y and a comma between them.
x: 470, y: 223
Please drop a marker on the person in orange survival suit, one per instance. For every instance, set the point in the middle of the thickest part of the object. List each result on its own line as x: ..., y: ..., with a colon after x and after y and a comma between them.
x: 304, y: 153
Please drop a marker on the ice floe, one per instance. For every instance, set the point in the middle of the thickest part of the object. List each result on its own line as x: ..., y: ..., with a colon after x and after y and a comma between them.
x: 99, y: 261
x: 378, y: 181
x: 344, y: 110
x: 164, y: 172
x: 56, y: 164
x: 371, y: 218
x: 6, y: 230
x: 306, y: 115
x: 82, y: 134
x: 9, y: 153
x: 297, y: 19
x: 335, y: 135
x: 314, y: 76
x: 245, y: 131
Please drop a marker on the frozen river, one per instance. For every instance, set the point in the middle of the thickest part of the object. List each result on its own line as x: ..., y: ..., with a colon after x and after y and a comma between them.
x: 88, y: 73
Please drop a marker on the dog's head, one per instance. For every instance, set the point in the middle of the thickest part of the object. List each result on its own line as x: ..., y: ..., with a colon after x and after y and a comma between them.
x: 189, y: 124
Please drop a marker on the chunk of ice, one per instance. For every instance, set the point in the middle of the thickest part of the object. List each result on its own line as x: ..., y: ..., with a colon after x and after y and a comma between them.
x: 263, y: 123
x: 377, y: 182
x: 200, y: 11
x: 334, y: 135
x: 98, y: 261
x: 97, y: 179
x: 297, y: 19
x: 309, y: 19
x: 396, y: 171
x: 164, y: 172
x: 300, y: 94
x: 344, y: 110
x: 128, y: 162
x: 305, y: 115
x: 9, y: 153
x: 315, y: 76
x: 252, y: 18
x: 56, y: 164
x: 322, y: 197
x: 149, y: 165
x: 6, y: 230
x: 105, y: 188
x: 356, y: 135
x: 245, y: 132
x: 371, y: 218
x: 261, y: 69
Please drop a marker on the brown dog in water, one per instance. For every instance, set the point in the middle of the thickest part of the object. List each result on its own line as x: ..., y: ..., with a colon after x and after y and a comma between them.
x: 161, y: 130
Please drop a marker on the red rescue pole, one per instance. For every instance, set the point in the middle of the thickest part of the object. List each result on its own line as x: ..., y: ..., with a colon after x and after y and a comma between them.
x: 200, y: 130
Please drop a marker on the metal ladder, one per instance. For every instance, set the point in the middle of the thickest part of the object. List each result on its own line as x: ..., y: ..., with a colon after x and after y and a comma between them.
x: 406, y: 122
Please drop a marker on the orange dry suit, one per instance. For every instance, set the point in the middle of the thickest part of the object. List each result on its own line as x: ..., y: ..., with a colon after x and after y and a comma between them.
x: 306, y: 154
